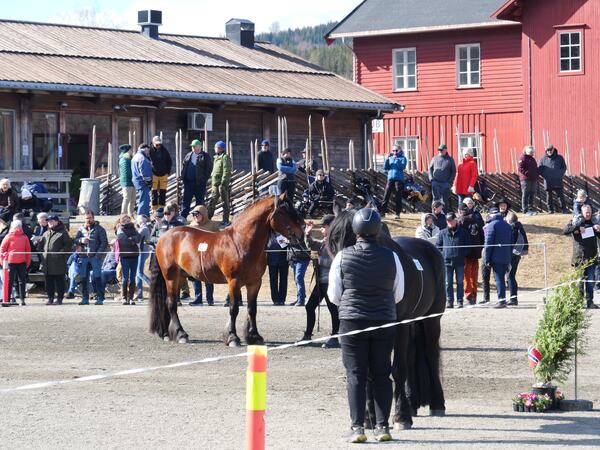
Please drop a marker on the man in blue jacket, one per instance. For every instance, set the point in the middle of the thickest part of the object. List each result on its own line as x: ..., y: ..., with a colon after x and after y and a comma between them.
x: 287, y: 173
x: 497, y: 251
x: 452, y: 241
x: 394, y: 166
x: 141, y: 170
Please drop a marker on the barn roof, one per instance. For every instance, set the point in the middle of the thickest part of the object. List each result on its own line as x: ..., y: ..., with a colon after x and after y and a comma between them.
x: 382, y: 17
x: 55, y: 57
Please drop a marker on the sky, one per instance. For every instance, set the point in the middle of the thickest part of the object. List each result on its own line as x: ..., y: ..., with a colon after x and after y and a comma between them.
x: 197, y: 17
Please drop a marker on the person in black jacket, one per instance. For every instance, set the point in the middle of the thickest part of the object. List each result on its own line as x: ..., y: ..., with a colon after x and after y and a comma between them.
x: 452, y: 242
x: 161, y: 169
x: 439, y: 217
x: 373, y: 282
x: 266, y: 160
x: 320, y: 193
x: 127, y: 252
x: 196, y: 170
x: 552, y: 169
x: 520, y: 248
x: 472, y: 222
x: 278, y: 268
x: 585, y: 249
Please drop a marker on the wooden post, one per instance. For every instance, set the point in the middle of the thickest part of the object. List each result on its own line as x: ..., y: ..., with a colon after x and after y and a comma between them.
x: 309, y: 145
x: 134, y: 142
x: 256, y: 154
x: 323, y: 158
x: 130, y: 142
x: 496, y: 155
x: 93, y: 158
x: 279, y: 136
x: 325, y: 143
x: 205, y: 138
x: 227, y: 138
x: 231, y: 153
x: 582, y: 170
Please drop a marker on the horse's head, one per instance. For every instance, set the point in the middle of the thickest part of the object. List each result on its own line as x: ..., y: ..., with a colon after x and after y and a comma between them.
x: 285, y: 220
x: 340, y: 231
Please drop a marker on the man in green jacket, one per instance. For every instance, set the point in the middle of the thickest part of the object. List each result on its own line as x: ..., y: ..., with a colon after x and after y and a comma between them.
x: 221, y: 175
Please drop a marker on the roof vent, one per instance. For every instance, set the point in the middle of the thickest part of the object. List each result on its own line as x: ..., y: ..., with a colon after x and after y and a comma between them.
x: 241, y: 32
x: 150, y: 20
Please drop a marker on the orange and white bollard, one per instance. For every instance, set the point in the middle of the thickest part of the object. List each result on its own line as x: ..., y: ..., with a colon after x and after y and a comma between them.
x: 5, y: 299
x: 256, y: 397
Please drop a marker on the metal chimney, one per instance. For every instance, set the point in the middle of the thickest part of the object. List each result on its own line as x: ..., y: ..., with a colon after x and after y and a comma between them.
x: 150, y: 20
x: 240, y: 31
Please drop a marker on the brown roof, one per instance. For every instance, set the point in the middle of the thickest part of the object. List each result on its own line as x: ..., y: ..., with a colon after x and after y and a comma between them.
x: 62, y: 57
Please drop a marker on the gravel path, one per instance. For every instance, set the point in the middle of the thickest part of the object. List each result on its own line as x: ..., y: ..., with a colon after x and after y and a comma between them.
x: 202, y: 406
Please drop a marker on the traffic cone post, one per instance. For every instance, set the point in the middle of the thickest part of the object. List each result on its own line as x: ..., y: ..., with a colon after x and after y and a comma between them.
x: 256, y: 397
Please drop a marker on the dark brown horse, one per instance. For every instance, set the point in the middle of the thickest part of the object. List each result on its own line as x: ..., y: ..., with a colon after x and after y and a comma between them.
x: 235, y: 255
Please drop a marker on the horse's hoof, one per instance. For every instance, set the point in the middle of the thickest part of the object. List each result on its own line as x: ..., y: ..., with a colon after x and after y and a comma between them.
x: 234, y: 343
x: 183, y: 340
x: 437, y: 412
x: 255, y: 340
x: 399, y: 426
x: 166, y: 338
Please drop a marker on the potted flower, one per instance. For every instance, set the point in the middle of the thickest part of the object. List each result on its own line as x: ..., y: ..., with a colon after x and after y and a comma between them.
x: 518, y: 403
x: 559, y: 335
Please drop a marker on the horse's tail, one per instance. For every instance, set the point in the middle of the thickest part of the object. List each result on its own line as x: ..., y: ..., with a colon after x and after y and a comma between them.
x: 159, y: 312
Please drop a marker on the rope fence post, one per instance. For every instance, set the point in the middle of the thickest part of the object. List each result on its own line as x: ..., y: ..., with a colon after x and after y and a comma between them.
x: 256, y: 397
x: 5, y: 298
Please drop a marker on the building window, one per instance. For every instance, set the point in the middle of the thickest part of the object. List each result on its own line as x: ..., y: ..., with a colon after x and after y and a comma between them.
x: 7, y: 139
x: 410, y: 146
x: 570, y: 48
x: 468, y: 66
x: 473, y: 142
x: 45, y: 141
x: 405, y: 69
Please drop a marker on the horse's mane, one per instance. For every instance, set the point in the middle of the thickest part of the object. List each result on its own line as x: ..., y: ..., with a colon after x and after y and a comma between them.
x: 250, y: 210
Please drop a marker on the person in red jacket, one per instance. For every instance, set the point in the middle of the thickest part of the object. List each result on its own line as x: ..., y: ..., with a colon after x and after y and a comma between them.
x: 16, y: 250
x: 466, y: 176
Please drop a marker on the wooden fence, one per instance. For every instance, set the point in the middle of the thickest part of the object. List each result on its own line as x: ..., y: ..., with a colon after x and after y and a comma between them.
x: 245, y: 187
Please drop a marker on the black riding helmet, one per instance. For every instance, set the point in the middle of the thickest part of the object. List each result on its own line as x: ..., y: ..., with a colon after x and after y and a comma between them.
x: 366, y: 222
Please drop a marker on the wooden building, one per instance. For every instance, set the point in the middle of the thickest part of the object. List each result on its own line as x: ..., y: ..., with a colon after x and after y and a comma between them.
x: 59, y: 81
x: 485, y: 74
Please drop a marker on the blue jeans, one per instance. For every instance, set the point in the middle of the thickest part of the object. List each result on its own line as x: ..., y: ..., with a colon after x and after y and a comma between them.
x: 192, y: 190
x: 107, y: 277
x: 95, y: 266
x: 210, y: 288
x: 144, y: 201
x: 459, y: 273
x: 441, y: 192
x: 128, y: 270
x: 589, y: 275
x: 500, y: 277
x: 299, y: 272
x: 140, y: 276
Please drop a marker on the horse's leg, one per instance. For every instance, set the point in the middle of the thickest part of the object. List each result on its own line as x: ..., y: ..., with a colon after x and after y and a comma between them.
x: 235, y: 296
x: 402, y: 408
x: 432, y: 331
x: 252, y: 335
x: 176, y: 331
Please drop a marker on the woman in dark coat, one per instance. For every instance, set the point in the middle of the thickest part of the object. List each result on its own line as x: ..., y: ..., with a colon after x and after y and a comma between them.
x: 9, y: 200
x: 56, y: 246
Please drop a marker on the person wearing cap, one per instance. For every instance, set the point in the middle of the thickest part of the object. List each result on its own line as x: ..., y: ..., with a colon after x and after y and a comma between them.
x: 266, y: 160
x: 56, y: 244
x: 161, y: 169
x: 141, y: 176
x: 472, y: 222
x: 466, y: 176
x: 220, y: 177
x: 552, y: 168
x: 200, y: 220
x: 442, y: 171
x: 503, y: 206
x: 439, y: 218
x: 126, y: 179
x: 452, y: 242
x: 528, y: 176
x: 195, y: 172
x: 497, y: 251
x: 321, y: 193
x: 366, y: 281
x: 287, y: 173
x: 581, y: 199
x: 394, y: 165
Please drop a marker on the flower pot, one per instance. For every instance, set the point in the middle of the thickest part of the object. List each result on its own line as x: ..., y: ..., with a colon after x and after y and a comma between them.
x: 546, y: 389
x: 527, y: 408
x: 521, y: 407
x: 515, y: 406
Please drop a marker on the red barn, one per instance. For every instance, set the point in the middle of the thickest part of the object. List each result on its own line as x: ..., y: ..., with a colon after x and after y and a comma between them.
x: 462, y: 68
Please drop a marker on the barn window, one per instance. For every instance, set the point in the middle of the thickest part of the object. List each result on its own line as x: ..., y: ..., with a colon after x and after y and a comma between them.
x: 7, y: 139
x: 405, y: 69
x: 570, y: 51
x: 468, y: 66
x: 410, y: 146
x: 473, y: 142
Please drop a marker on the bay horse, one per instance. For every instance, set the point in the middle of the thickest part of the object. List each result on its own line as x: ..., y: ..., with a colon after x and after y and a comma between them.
x: 416, y: 363
x: 235, y: 255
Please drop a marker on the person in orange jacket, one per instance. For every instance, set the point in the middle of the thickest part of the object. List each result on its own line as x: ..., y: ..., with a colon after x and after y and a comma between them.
x: 466, y: 176
x: 16, y: 250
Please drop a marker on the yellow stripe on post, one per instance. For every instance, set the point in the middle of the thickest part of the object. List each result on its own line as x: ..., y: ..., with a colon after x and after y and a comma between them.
x: 256, y: 397
x: 256, y: 391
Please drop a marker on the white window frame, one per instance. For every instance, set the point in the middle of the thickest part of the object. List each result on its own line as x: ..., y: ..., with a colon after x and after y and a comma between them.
x: 412, y: 161
x: 469, y: 72
x: 14, y: 161
x: 570, y: 46
x: 474, y: 141
x: 404, y: 75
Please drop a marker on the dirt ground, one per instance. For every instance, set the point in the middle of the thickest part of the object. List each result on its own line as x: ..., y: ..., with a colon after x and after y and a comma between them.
x: 202, y: 405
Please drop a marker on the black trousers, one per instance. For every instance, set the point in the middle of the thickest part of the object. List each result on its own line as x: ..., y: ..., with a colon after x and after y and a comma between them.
x: 368, y: 354
x: 287, y: 186
x: 398, y: 188
x: 17, y: 271
x: 550, y: 198
x: 486, y: 273
x: 278, y: 278
x: 319, y: 293
x: 55, y: 284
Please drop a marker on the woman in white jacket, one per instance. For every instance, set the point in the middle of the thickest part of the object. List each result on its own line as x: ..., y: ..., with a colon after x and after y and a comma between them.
x: 427, y: 231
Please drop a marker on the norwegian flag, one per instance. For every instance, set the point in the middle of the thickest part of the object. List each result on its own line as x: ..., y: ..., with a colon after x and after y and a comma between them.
x: 534, y: 356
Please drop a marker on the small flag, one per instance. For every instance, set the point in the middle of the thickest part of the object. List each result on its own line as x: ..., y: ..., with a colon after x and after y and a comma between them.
x: 534, y: 356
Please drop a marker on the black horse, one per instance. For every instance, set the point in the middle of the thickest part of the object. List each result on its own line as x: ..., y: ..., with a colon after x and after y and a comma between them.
x: 416, y: 364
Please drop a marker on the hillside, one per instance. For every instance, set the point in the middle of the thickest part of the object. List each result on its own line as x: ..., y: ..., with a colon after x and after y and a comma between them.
x: 308, y: 43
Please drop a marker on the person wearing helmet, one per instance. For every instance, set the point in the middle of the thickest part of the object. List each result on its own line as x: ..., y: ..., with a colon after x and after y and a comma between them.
x: 373, y: 282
